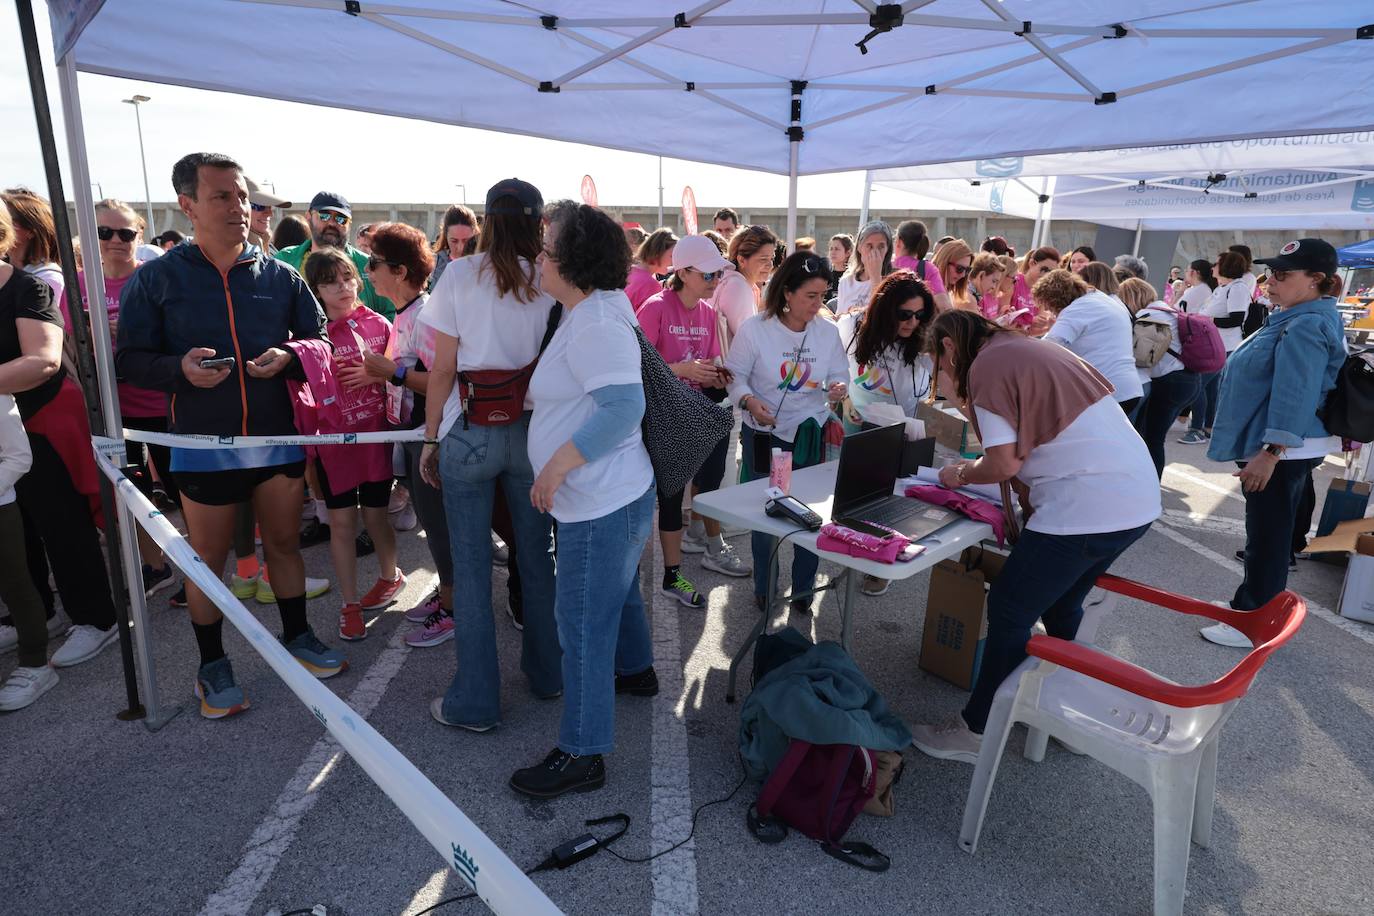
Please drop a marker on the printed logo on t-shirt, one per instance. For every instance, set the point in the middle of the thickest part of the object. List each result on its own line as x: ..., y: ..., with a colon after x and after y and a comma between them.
x: 873, y: 378
x: 795, y: 375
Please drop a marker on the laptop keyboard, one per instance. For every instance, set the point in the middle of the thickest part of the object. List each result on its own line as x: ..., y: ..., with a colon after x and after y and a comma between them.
x: 891, y: 511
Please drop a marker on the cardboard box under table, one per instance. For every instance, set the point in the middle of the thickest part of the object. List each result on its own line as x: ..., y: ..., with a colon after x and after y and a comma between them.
x: 956, y: 625
x: 742, y: 505
x: 1355, y: 539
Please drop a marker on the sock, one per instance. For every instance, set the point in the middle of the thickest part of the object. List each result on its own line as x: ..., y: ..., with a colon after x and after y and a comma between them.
x: 716, y: 544
x: 265, y: 577
x: 670, y: 575
x: 293, y: 622
x: 321, y: 512
x: 208, y: 639
x: 247, y: 567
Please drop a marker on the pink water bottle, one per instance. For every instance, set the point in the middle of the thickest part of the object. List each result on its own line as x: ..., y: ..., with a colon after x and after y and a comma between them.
x: 780, y: 474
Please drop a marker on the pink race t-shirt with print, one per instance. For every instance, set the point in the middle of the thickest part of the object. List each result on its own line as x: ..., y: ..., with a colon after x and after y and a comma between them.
x: 678, y: 333
x: 928, y: 273
x: 363, y: 409
x: 133, y: 401
x: 641, y: 286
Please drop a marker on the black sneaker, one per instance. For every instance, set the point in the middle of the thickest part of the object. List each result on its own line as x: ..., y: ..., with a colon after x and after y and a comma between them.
x: 363, y: 545
x: 179, y: 598
x: 155, y: 580
x: 560, y: 772
x: 643, y: 684
x: 314, y: 532
x: 1292, y: 560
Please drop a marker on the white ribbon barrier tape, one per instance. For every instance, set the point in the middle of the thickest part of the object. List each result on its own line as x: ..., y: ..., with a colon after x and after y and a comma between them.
x: 191, y: 440
x: 495, y: 878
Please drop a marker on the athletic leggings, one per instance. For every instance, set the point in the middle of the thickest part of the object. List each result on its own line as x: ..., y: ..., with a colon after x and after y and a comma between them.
x: 17, y: 591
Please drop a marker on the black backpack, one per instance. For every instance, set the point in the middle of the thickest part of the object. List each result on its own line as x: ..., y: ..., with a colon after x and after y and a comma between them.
x: 1349, y: 408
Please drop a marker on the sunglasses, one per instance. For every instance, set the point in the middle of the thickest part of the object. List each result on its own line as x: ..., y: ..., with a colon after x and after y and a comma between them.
x: 960, y: 269
x: 374, y: 262
x: 908, y: 315
x: 258, y: 208
x: 125, y: 235
x: 812, y: 265
x: 336, y: 217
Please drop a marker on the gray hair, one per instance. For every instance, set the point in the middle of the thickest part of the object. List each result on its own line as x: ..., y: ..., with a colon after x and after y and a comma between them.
x: 869, y: 228
x: 1134, y: 266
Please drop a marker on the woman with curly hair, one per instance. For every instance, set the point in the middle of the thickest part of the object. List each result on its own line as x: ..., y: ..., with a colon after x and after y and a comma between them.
x: 595, y: 478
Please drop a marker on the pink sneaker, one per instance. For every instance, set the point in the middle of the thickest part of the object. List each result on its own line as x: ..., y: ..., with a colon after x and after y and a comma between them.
x: 425, y: 609
x: 383, y: 593
x: 438, y: 628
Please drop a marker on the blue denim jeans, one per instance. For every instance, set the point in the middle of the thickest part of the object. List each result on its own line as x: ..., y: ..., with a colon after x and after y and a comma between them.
x: 601, y: 622
x: 1205, y: 404
x: 804, y: 562
x: 1269, y: 522
x: 1136, y: 412
x: 1046, y: 578
x: 470, y: 463
x: 1169, y: 394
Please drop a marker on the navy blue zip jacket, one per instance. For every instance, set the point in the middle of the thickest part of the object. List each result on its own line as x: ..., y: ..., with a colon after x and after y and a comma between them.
x: 181, y: 301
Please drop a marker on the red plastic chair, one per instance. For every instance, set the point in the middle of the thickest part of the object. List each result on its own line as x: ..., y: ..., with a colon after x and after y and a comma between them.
x: 1161, y: 734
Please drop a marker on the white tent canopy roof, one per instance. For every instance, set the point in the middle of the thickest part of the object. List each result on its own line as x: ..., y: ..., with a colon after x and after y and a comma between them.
x: 715, y: 82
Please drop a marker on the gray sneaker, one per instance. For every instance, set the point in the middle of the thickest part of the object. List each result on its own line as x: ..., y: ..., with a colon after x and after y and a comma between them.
x: 1194, y: 437
x: 692, y: 543
x: 727, y: 562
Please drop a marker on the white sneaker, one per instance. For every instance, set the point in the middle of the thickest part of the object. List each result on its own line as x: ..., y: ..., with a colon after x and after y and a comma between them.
x: 9, y: 637
x: 725, y: 561
x: 401, y: 510
x: 948, y: 740
x: 83, y: 642
x: 26, y: 685
x: 1223, y: 634
x: 875, y: 585
x: 692, y: 544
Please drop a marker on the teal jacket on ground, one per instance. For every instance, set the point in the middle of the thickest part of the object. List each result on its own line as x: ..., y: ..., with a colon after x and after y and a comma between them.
x: 820, y: 696
x: 295, y: 256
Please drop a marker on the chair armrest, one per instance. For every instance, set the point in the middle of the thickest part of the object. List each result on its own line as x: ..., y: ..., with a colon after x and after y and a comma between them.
x: 1108, y: 669
x: 1168, y: 600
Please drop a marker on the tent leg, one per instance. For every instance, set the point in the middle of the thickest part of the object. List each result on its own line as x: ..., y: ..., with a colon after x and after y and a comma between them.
x: 792, y: 196
x: 1139, y: 229
x: 868, y: 191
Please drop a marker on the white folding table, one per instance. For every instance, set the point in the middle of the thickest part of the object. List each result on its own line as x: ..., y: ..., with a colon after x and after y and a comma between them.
x: 742, y: 505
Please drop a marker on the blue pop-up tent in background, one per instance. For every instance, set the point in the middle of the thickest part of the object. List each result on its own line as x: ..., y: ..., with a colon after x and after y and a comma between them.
x: 1361, y: 254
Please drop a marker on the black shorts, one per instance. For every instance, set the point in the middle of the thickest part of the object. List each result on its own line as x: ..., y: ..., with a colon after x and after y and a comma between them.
x: 233, y: 486
x: 159, y: 455
x: 371, y: 495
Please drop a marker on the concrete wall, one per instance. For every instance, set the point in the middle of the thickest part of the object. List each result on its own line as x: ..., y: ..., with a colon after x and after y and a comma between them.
x: 821, y: 224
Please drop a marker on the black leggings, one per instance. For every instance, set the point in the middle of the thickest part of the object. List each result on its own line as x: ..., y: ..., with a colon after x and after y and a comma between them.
x: 707, y: 480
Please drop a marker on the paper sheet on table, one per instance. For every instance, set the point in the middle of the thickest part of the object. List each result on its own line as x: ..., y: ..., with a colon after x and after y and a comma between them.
x: 882, y: 414
x: 931, y: 477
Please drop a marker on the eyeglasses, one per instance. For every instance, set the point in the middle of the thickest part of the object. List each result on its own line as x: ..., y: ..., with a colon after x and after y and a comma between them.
x: 907, y: 315
x: 258, y: 208
x: 105, y: 233
x: 960, y: 269
x: 374, y: 262
x: 336, y: 217
x: 1279, y: 275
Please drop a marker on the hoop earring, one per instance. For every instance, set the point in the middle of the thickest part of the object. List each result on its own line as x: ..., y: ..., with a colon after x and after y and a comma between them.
x: 787, y: 308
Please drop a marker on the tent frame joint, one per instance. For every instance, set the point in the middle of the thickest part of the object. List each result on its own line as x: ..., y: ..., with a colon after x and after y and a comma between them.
x: 1025, y: 29
x: 1106, y: 98
x: 680, y: 21
x: 1044, y: 198
x: 548, y: 86
x: 1119, y: 30
x: 549, y: 22
x: 691, y: 86
x: 1364, y: 32
x: 353, y: 7
x: 884, y: 18
x: 930, y: 90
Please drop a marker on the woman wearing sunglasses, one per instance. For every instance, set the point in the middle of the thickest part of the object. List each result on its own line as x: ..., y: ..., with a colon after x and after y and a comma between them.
x: 682, y: 327
x: 954, y: 259
x: 886, y: 365
x: 787, y: 368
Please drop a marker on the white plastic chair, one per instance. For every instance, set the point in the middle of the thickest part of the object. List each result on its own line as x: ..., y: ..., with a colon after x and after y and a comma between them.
x: 1161, y: 734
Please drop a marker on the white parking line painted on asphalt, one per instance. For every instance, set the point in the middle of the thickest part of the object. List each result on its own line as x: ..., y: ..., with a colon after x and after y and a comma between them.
x: 274, y: 836
x: 1229, y: 492
x: 1354, y: 628
x: 670, y: 800
x: 1217, y: 524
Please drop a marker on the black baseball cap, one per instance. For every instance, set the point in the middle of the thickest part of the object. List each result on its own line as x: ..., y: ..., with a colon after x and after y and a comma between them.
x: 328, y: 200
x: 1315, y: 255
x: 531, y: 201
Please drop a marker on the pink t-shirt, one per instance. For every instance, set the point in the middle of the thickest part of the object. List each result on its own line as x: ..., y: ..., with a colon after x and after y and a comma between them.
x: 678, y: 333
x: 133, y: 401
x: 641, y: 285
x: 1021, y: 299
x: 929, y: 273
x: 364, y: 409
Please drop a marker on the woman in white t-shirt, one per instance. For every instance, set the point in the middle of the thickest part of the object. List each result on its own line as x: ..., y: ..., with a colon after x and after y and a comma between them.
x: 737, y: 296
x: 1227, y: 307
x: 1168, y: 386
x: 1048, y: 425
x: 870, y: 262
x: 595, y: 477
x: 788, y: 342
x: 488, y: 313
x: 1199, y: 282
x: 1096, y: 327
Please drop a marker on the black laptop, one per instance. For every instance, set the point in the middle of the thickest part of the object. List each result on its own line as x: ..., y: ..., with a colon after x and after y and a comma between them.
x: 869, y: 464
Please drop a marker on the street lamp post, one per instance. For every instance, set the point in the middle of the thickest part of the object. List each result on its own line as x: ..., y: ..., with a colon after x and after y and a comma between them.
x: 136, y: 101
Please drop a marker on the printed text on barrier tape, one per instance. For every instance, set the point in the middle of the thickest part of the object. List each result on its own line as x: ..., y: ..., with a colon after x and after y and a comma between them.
x: 201, y: 441
x: 505, y: 888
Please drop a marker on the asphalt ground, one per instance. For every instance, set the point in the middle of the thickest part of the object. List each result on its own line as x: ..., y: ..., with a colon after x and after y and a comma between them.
x: 262, y: 814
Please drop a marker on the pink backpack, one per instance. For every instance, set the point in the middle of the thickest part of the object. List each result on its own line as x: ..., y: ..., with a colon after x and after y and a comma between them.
x: 1199, y: 342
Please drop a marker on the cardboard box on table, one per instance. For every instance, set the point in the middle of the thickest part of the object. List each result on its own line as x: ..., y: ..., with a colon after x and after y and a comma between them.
x: 956, y: 626
x: 1354, y: 538
x: 950, y: 428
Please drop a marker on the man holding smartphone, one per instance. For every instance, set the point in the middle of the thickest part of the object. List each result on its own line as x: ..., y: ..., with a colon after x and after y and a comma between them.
x: 207, y: 323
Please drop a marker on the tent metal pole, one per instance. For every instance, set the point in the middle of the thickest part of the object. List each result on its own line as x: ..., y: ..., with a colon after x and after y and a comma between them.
x: 1139, y: 230
x: 660, y: 192
x: 1039, y: 215
x: 868, y: 191
x: 794, y: 149
x: 125, y: 566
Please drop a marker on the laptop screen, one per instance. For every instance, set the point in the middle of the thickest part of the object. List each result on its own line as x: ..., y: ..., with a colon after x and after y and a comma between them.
x: 869, y: 462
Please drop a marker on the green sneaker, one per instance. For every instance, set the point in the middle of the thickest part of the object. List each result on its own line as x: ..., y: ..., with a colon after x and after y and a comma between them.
x: 314, y: 588
x: 243, y: 588
x: 684, y: 591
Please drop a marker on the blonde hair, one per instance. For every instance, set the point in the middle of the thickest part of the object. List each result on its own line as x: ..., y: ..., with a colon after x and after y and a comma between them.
x: 112, y: 205
x: 6, y: 229
x: 1136, y: 293
x: 1057, y: 289
x: 946, y: 254
x: 985, y: 262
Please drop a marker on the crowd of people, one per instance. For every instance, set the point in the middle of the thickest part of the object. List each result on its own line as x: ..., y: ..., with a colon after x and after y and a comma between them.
x: 511, y: 345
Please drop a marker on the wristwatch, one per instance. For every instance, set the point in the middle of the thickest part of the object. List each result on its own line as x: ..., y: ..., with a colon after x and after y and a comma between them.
x: 1276, y: 450
x: 398, y: 378
x: 743, y: 400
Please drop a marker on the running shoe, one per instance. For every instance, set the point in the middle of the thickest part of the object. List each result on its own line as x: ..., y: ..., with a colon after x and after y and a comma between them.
x: 218, y: 694
x: 684, y: 591
x: 9, y: 636
x: 314, y: 588
x: 314, y: 532
x: 155, y: 580
x: 693, y: 543
x: 400, y: 509
x: 437, y: 629
x: 422, y: 611
x: 244, y: 588
x: 436, y: 710
x: 316, y: 657
x: 383, y: 593
x: 875, y: 585
x: 950, y: 739
x: 500, y: 553
x: 178, y: 598
x: 25, y: 685
x: 1193, y: 437
x: 351, y: 626
x: 363, y: 545
x: 83, y: 643
x: 726, y: 561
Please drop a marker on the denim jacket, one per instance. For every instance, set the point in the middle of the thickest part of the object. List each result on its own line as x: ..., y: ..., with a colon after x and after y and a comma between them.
x: 1276, y: 380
